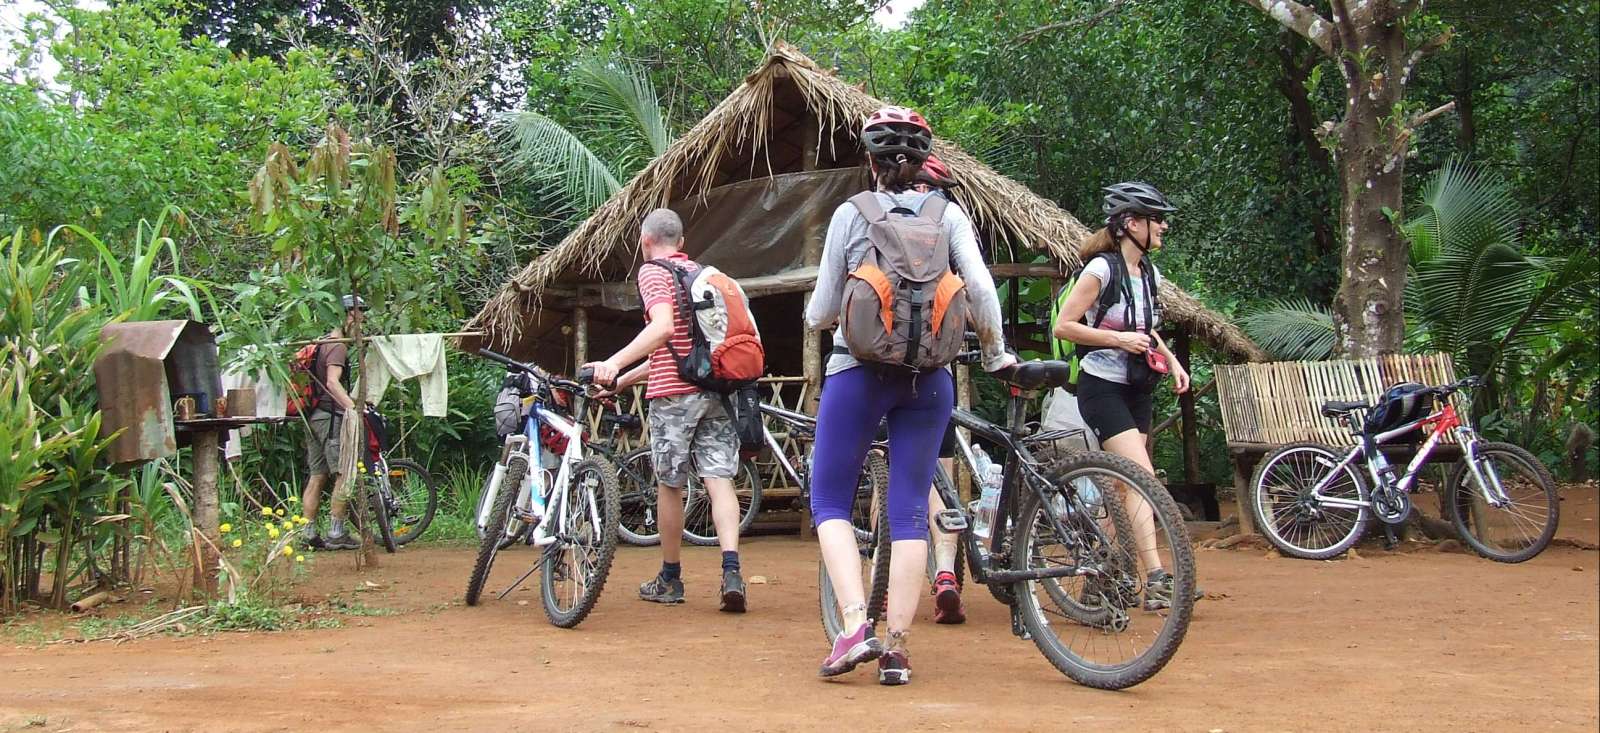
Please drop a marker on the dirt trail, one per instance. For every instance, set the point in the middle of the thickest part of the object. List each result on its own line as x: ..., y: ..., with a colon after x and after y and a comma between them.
x: 1393, y: 641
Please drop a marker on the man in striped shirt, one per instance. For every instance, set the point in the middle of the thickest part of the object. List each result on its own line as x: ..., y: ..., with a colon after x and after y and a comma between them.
x: 689, y: 427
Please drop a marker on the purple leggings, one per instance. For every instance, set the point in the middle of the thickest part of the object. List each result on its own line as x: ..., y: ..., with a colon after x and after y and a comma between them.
x: 854, y: 401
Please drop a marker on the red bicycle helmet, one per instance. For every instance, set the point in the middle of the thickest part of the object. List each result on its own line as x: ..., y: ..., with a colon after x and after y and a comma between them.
x: 895, y: 131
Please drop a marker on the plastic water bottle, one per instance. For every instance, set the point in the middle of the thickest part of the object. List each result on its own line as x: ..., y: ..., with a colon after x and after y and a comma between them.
x: 988, y: 473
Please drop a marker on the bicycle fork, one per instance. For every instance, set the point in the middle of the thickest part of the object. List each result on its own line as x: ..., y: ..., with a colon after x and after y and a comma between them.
x: 1483, y: 472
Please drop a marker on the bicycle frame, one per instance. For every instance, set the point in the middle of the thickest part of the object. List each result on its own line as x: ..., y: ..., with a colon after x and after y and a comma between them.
x: 525, y: 446
x: 1442, y: 423
x: 1018, y: 465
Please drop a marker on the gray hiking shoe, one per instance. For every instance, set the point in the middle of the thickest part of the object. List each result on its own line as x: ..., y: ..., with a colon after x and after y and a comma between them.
x: 661, y: 590
x: 345, y: 541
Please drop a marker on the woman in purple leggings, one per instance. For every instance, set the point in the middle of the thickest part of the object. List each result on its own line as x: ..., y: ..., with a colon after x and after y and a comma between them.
x: 857, y: 397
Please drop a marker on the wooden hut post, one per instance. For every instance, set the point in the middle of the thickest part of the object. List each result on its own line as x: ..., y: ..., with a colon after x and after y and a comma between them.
x: 811, y: 252
x: 207, y: 511
x: 580, y: 337
x: 1191, y: 437
x: 963, y: 477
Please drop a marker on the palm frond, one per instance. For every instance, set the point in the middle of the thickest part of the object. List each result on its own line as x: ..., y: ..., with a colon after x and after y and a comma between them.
x: 621, y: 93
x: 1295, y: 329
x: 539, y: 150
x: 1462, y: 206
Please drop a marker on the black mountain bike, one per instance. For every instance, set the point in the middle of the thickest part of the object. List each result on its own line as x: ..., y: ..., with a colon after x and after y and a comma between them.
x: 1071, y: 548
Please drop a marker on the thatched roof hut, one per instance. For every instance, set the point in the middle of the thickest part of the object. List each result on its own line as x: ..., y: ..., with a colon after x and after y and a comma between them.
x: 756, y: 182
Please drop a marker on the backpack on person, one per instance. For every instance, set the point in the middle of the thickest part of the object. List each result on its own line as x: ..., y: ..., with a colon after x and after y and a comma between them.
x: 304, y: 395
x: 725, y: 351
x: 1064, y: 350
x: 903, y: 305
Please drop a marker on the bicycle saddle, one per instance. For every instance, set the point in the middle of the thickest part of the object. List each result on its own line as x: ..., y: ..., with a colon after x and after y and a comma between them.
x: 1032, y: 375
x: 1336, y: 408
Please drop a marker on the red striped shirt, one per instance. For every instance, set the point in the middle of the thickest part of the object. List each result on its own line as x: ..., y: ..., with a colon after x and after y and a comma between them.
x: 656, y: 286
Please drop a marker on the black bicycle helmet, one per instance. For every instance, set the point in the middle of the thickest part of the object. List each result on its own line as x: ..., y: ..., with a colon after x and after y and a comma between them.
x: 1137, y: 198
x: 1400, y: 404
x: 894, y: 131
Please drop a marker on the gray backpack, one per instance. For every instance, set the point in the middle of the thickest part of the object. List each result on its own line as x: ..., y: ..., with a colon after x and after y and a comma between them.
x: 903, y: 306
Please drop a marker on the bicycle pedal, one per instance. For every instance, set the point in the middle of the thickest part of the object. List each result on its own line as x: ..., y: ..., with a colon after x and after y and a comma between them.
x: 952, y: 521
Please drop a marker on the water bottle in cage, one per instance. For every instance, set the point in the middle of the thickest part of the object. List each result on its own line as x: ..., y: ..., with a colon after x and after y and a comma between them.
x: 989, y: 475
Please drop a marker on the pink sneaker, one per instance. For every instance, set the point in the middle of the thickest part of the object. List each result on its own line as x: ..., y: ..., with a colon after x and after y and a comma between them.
x: 850, y: 650
x: 947, y: 606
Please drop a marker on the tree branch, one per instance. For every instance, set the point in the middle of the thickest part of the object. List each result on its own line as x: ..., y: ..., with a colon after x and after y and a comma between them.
x: 1418, y: 120
x: 1300, y: 19
x: 1087, y: 23
x: 1428, y: 47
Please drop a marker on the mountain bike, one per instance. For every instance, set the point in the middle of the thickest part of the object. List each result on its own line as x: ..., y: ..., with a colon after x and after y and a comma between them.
x: 1075, y: 547
x: 398, y: 498
x: 567, y: 506
x: 1312, y: 502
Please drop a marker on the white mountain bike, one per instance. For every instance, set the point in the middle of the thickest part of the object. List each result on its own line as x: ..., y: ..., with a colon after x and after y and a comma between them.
x: 568, y: 508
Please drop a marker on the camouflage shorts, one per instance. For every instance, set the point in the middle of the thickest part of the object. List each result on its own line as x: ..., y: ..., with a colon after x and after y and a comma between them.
x: 692, y: 427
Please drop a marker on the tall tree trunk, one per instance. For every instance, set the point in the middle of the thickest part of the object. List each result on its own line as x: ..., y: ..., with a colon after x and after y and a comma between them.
x: 1367, y: 38
x: 1369, y: 312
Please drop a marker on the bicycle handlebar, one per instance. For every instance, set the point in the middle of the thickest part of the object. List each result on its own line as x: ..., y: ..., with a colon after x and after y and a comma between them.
x: 585, y: 376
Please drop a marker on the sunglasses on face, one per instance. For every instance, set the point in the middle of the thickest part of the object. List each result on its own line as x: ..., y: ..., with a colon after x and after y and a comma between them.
x: 1157, y: 218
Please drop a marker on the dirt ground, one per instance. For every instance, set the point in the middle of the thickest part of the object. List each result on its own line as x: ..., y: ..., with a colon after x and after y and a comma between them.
x: 1409, y: 640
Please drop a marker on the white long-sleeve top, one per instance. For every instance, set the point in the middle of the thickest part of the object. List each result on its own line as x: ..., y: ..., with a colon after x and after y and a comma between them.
x: 846, y: 246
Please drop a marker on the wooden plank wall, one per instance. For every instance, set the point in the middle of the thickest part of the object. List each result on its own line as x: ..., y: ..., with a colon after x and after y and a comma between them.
x: 1281, y: 402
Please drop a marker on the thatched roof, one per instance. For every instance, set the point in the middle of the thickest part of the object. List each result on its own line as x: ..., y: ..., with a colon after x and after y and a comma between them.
x: 787, y: 110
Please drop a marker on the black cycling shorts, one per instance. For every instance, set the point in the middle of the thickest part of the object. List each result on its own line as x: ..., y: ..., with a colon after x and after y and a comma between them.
x: 1109, y: 408
x: 947, y: 446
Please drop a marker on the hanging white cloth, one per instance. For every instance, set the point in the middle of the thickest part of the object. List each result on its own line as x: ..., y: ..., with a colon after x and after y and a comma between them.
x: 411, y: 356
x: 271, y: 401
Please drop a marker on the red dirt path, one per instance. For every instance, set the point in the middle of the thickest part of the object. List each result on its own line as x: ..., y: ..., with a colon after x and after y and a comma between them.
x: 1387, y: 641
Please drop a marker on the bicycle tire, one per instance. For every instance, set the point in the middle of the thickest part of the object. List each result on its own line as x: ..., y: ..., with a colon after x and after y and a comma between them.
x: 859, y: 519
x: 637, y: 498
x: 1091, y: 604
x: 1455, y: 504
x: 1176, y: 622
x: 704, y: 532
x: 414, y: 526
x: 1274, y: 530
x: 380, y: 517
x: 495, y: 537
x: 506, y: 540
x: 605, y: 538
x: 876, y: 555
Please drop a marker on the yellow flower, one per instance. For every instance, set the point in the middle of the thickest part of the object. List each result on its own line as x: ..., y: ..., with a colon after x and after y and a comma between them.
x: 294, y: 500
x: 237, y: 543
x: 301, y: 520
x: 279, y: 511
x: 299, y: 558
x: 288, y: 525
x: 226, y: 528
x: 266, y: 512
x: 288, y: 550
x: 272, y: 532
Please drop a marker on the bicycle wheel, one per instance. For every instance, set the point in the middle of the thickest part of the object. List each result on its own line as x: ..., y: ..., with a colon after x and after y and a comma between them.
x: 1517, y: 530
x: 576, y: 566
x: 698, y: 527
x: 483, y: 496
x: 1096, y: 505
x: 371, y: 514
x: 501, y: 529
x: 1291, y: 518
x: 636, y: 485
x: 416, y: 498
x: 874, y: 561
x: 861, y: 508
x: 1117, y: 649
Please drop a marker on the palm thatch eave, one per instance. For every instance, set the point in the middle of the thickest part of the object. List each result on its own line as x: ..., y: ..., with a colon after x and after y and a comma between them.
x: 743, y: 122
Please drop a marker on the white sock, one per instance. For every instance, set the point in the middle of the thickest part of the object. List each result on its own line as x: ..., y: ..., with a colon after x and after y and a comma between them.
x: 335, y: 527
